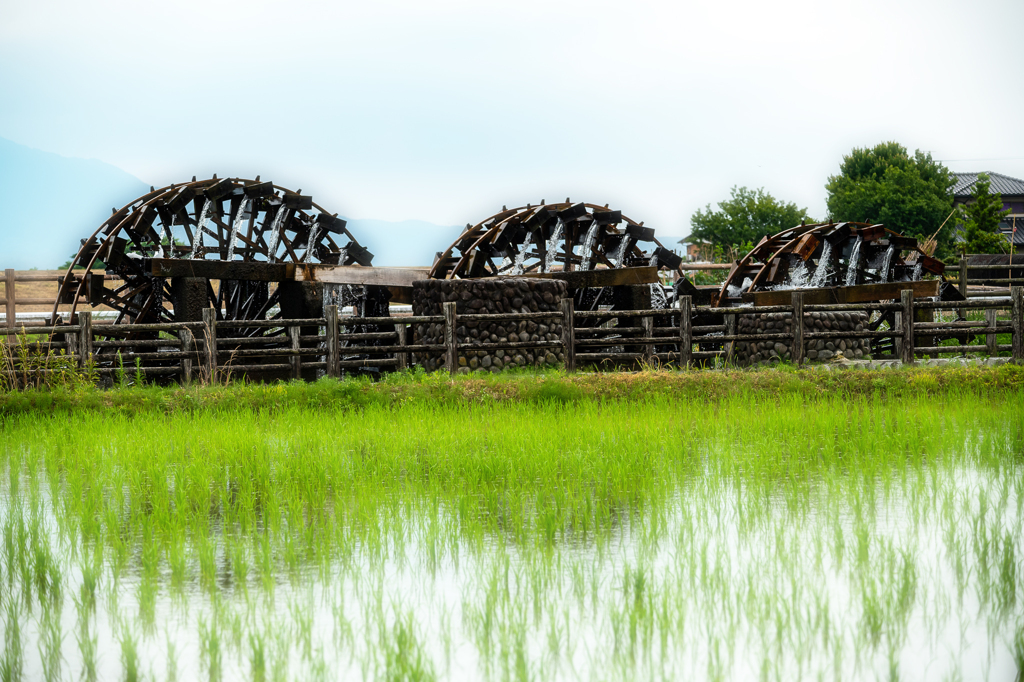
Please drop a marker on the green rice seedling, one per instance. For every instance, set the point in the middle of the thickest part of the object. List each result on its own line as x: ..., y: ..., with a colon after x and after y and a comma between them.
x: 87, y: 641
x: 50, y: 642
x: 172, y: 659
x: 129, y: 655
x: 210, y: 651
x: 402, y: 654
x: 257, y: 658
x: 13, y: 661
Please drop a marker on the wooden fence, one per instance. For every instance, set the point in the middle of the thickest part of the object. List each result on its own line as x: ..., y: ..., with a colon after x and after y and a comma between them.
x: 42, y: 287
x: 214, y: 350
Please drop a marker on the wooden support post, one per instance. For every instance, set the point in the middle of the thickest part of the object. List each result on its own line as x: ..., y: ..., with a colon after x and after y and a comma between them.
x: 210, y: 342
x: 71, y: 343
x: 9, y: 296
x: 569, y: 333
x: 187, y: 345
x: 296, y: 359
x: 798, y: 328
x: 84, y: 339
x: 401, y: 356
x: 730, y: 330
x: 647, y: 324
x: 451, y: 358
x: 907, y: 319
x: 991, y: 315
x: 1017, y: 296
x: 962, y: 312
x: 925, y: 340
x: 331, y: 330
x: 685, y: 331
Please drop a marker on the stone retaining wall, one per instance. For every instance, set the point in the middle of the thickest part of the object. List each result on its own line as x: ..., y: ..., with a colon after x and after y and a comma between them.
x: 815, y: 350
x: 505, y: 295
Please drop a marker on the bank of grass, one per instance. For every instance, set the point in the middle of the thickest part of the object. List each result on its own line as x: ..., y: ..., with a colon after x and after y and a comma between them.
x: 528, y: 387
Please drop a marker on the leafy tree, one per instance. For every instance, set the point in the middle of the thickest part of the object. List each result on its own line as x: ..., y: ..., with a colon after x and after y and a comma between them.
x: 979, y: 220
x: 744, y: 218
x: 885, y: 184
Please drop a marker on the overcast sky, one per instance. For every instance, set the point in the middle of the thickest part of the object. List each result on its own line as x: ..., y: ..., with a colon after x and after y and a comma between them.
x: 444, y: 111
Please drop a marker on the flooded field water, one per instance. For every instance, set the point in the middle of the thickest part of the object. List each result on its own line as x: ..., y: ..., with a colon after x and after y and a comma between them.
x: 769, y: 540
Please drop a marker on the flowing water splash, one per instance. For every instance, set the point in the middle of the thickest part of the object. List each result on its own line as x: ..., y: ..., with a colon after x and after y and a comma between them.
x: 275, y: 234
x: 821, y: 272
x: 800, y: 277
x: 166, y: 236
x: 342, y: 256
x: 197, y: 242
x: 734, y: 291
x: 851, y: 268
x: 658, y: 300
x: 235, y: 225
x: 552, y: 246
x: 620, y: 253
x: 505, y: 264
x: 311, y: 241
x: 886, y: 263
x: 918, y: 267
x: 333, y: 295
x: 517, y: 266
x: 587, y: 249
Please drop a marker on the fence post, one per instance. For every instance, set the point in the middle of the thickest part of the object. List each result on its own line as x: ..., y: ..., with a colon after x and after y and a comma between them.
x: 647, y: 324
x: 451, y: 358
x: 685, y: 331
x: 962, y: 312
x: 569, y: 333
x: 84, y: 338
x: 798, y: 328
x: 402, y: 356
x: 332, y: 340
x: 296, y: 359
x: 9, y: 295
x: 730, y: 330
x: 210, y: 332
x: 907, y: 301
x: 1017, y: 295
x: 187, y: 345
x: 990, y: 339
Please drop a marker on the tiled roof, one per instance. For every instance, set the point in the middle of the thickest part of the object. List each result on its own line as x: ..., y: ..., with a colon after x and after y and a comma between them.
x: 998, y: 184
x: 1006, y: 227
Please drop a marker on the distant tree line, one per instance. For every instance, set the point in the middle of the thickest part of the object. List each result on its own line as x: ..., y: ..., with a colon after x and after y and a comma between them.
x: 911, y: 194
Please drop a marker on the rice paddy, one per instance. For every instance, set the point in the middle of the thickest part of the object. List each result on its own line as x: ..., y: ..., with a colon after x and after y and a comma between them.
x: 787, y: 525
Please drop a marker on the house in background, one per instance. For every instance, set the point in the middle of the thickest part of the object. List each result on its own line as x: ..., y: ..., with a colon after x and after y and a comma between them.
x: 695, y: 250
x: 1011, y: 191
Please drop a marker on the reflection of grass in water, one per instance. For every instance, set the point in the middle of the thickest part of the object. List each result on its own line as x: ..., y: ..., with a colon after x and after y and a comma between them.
x: 530, y: 503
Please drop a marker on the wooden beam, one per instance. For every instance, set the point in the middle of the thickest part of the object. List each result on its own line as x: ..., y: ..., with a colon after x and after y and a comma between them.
x: 357, y: 274
x: 401, y: 294
x: 213, y: 269
x: 862, y: 293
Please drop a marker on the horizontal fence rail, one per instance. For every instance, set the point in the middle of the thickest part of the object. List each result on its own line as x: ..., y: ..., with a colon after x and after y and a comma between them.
x: 974, y: 280
x: 212, y: 350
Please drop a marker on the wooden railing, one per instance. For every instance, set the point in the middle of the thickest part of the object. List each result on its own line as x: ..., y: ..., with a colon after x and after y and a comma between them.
x: 212, y: 350
x: 12, y: 300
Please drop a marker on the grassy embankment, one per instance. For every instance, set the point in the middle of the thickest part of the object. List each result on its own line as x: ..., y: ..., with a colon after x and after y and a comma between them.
x: 780, y: 524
